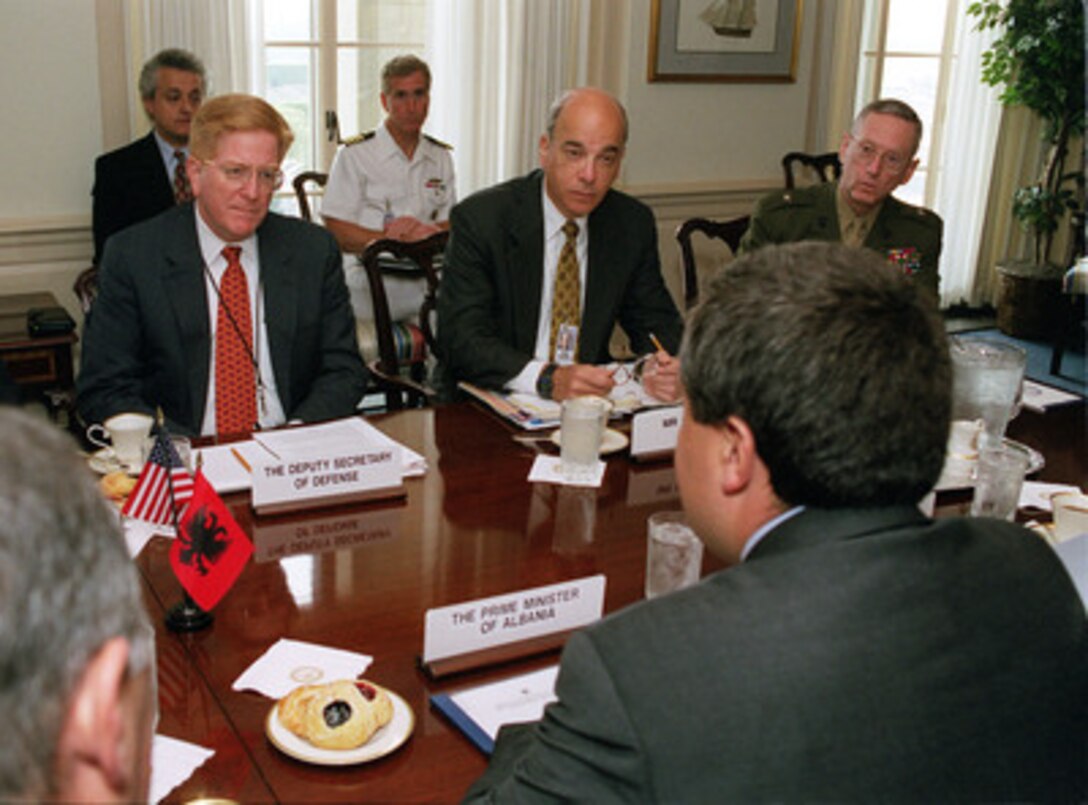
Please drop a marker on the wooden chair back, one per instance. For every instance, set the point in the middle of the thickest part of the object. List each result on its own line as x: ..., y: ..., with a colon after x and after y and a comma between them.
x: 825, y: 167
x: 729, y: 232
x: 383, y: 258
x: 303, y: 190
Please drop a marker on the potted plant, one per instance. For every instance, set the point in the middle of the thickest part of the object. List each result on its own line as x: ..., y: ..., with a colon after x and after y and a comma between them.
x: 1037, y: 59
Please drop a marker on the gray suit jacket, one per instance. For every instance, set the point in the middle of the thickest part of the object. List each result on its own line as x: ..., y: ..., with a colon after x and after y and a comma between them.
x: 855, y: 656
x: 148, y: 343
x: 489, y: 300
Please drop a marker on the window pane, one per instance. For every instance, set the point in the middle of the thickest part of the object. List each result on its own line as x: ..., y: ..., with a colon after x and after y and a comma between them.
x: 289, y: 80
x: 914, y: 191
x: 916, y: 26
x: 288, y: 20
x: 358, y: 91
x: 399, y: 23
x: 913, y: 80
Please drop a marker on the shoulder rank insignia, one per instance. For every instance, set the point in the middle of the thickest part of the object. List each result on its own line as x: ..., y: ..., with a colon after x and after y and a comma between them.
x: 438, y: 142
x: 360, y: 138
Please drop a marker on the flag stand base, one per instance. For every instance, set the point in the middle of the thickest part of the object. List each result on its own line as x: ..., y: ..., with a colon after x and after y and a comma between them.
x: 187, y: 617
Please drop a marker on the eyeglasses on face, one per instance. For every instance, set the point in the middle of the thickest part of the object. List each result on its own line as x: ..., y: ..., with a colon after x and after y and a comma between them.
x: 865, y: 152
x: 239, y: 175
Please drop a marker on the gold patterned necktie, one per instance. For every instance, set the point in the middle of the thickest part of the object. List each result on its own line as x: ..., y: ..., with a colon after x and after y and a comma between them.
x: 235, y: 387
x: 566, y: 300
x: 183, y: 191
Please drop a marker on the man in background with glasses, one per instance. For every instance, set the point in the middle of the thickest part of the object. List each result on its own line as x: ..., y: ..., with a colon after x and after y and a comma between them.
x: 877, y: 156
x: 226, y: 316
x: 148, y: 176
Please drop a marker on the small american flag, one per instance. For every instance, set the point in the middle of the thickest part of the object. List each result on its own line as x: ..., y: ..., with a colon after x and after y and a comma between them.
x: 163, y: 478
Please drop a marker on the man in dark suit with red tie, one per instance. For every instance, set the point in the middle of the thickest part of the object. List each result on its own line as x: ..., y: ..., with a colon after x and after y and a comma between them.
x: 147, y: 176
x: 222, y: 314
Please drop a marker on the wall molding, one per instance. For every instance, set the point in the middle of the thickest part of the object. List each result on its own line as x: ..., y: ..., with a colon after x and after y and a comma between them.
x: 45, y: 240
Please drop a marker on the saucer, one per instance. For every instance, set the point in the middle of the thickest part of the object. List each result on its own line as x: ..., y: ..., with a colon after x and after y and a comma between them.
x: 959, y: 471
x: 612, y: 442
x: 104, y: 462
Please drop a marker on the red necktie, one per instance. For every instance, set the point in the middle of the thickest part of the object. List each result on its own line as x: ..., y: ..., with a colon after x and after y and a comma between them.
x: 183, y: 191
x: 235, y: 388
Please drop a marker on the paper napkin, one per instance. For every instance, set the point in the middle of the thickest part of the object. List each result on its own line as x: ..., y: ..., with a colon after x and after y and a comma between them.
x: 172, y: 763
x: 138, y: 532
x: 290, y: 663
x: 1036, y: 495
x: 545, y: 469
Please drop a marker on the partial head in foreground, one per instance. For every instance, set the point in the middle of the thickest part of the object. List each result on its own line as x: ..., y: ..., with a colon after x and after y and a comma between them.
x: 836, y: 366
x: 76, y: 649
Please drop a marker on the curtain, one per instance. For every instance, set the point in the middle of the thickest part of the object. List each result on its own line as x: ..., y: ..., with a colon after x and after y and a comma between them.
x: 214, y: 30
x: 498, y: 65
x: 966, y: 162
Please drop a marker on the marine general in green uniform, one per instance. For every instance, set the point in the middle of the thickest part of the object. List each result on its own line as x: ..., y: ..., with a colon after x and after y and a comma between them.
x: 877, y: 156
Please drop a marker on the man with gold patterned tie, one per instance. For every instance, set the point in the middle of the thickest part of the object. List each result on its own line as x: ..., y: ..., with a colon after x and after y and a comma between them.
x: 145, y: 177
x: 877, y: 155
x: 224, y: 315
x: 540, y: 269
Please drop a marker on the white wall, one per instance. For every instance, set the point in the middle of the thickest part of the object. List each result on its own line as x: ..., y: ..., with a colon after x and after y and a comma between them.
x: 52, y: 126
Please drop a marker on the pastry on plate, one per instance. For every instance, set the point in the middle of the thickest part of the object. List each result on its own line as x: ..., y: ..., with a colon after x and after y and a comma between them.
x: 337, y: 715
x: 117, y: 485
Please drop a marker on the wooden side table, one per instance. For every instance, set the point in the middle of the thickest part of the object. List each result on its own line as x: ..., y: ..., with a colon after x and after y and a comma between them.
x: 41, y: 367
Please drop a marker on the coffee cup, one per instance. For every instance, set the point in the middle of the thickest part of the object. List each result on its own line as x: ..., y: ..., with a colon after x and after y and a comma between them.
x: 127, y: 434
x: 1070, y: 515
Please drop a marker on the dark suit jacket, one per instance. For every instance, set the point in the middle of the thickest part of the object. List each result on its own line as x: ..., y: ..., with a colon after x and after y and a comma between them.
x: 130, y: 185
x: 909, y: 235
x: 489, y: 300
x: 855, y: 656
x: 148, y: 343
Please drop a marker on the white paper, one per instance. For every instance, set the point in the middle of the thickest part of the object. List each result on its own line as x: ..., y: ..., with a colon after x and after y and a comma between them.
x: 139, y: 532
x: 1036, y: 494
x: 222, y: 468
x: 545, y: 469
x: 331, y: 437
x: 172, y: 763
x: 290, y: 663
x: 227, y: 474
x: 1038, y: 397
x: 510, y: 701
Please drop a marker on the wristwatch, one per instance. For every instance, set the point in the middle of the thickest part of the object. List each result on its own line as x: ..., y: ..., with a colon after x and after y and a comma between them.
x: 544, y: 385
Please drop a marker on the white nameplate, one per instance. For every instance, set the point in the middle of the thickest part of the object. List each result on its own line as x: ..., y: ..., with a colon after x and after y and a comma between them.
x: 298, y: 480
x: 652, y: 484
x: 488, y: 622
x: 654, y: 432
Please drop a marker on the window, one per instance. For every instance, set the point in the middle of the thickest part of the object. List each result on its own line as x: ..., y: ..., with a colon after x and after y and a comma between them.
x: 319, y: 63
x: 906, y: 53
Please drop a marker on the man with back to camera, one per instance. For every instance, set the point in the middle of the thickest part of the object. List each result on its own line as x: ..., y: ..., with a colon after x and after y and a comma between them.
x: 394, y: 182
x: 560, y: 233
x: 227, y: 316
x: 877, y: 155
x: 77, y: 684
x: 856, y: 649
x: 145, y: 177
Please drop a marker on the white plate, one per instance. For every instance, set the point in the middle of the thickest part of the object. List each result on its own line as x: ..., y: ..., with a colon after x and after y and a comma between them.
x: 384, y: 741
x: 612, y: 442
x: 961, y: 475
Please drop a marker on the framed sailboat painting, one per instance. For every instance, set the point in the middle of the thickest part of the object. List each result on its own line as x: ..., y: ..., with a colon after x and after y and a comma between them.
x: 724, y: 40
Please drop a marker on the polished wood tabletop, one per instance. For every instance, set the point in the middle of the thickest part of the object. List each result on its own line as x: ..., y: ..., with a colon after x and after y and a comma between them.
x: 361, y: 578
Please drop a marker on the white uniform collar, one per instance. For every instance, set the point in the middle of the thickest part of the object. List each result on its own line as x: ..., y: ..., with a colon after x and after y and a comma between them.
x: 388, y: 147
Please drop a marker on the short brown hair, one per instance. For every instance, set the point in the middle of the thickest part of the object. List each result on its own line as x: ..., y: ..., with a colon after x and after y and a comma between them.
x: 401, y: 66
x: 895, y: 108
x: 226, y: 113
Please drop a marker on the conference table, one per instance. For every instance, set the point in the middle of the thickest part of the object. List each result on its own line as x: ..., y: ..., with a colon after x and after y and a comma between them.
x: 361, y: 578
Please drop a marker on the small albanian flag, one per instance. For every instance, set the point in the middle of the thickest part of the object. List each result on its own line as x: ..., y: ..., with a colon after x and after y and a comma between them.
x: 211, y: 550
